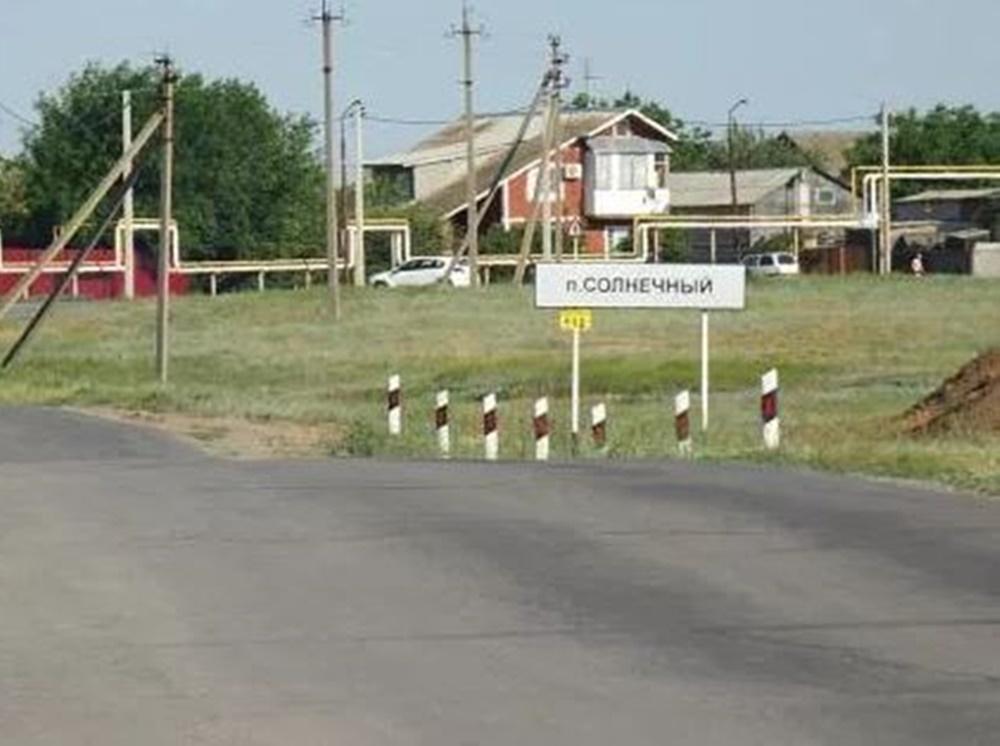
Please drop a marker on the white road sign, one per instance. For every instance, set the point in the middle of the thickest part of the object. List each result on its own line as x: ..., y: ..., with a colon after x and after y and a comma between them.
x: 622, y: 285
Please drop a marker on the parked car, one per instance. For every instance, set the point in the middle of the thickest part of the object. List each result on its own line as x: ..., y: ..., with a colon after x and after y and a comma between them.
x: 423, y: 270
x: 771, y: 264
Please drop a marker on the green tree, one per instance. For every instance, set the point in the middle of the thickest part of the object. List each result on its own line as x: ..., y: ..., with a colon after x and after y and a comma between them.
x: 247, y: 180
x: 944, y: 135
x: 13, y: 203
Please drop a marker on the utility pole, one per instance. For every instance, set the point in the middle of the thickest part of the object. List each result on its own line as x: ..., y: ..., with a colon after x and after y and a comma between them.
x: 332, y: 238
x: 559, y: 60
x: 472, y: 214
x: 886, y: 217
x: 166, y: 221
x: 128, y: 206
x: 588, y: 78
x: 554, y: 103
x: 359, y: 194
x: 732, y: 151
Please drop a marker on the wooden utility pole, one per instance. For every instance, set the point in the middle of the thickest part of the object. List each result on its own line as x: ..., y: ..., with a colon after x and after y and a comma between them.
x: 472, y: 215
x: 74, y: 224
x: 559, y: 59
x: 885, y: 234
x: 359, y: 194
x: 128, y: 206
x: 326, y: 18
x: 166, y: 221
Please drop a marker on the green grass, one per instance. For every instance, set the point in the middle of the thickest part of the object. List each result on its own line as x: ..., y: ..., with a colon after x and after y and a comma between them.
x: 853, y: 354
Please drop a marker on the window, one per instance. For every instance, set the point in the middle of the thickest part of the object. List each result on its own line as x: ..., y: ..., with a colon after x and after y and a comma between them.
x: 786, y: 259
x: 825, y: 196
x: 619, y: 239
x: 767, y: 261
x: 634, y: 172
x: 661, y: 167
x: 604, y: 178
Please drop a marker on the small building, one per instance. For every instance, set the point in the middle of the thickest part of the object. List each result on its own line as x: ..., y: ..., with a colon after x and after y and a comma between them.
x: 615, y: 167
x: 986, y: 260
x: 945, y: 225
x: 956, y: 209
x: 801, y: 192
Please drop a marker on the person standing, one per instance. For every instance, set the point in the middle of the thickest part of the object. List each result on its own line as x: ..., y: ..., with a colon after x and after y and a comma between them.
x: 917, y: 265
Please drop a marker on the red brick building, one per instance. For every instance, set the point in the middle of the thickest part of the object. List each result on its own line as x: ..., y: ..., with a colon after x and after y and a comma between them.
x: 615, y: 167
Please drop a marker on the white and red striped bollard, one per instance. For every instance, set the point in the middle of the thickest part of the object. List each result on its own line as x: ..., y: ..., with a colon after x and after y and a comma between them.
x: 395, y: 399
x: 491, y: 438
x: 441, y: 424
x: 682, y: 422
x: 542, y: 429
x: 599, y: 426
x: 769, y: 410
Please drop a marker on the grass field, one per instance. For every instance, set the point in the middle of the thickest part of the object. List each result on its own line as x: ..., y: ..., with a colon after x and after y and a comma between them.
x: 853, y: 354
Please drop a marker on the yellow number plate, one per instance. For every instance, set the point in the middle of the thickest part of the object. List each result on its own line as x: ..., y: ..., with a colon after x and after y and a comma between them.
x: 576, y: 319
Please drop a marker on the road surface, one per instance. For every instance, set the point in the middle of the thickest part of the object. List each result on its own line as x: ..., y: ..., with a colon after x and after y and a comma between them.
x: 153, y: 595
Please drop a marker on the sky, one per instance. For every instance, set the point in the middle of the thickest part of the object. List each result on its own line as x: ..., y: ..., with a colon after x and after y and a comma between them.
x: 795, y: 60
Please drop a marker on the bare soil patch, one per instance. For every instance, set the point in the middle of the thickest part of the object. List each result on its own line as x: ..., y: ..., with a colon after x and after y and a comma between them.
x: 969, y: 401
x: 232, y: 437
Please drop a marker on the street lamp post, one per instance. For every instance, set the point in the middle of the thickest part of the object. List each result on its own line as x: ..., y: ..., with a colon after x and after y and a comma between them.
x: 731, y: 135
x: 345, y: 230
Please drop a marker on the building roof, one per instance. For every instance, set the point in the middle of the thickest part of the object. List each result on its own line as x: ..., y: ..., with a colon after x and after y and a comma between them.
x: 442, y: 155
x: 950, y: 195
x: 712, y: 188
x: 828, y: 147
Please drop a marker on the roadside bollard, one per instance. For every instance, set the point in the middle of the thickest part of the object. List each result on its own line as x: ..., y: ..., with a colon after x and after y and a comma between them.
x: 491, y: 438
x: 441, y: 424
x: 395, y: 399
x: 598, y: 426
x: 769, y: 410
x: 542, y: 429
x: 682, y: 422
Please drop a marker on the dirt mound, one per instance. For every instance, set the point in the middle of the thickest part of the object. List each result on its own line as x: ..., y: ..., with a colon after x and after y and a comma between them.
x: 970, y: 400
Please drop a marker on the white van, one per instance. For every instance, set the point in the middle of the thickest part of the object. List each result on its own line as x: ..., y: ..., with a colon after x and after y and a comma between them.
x: 772, y: 264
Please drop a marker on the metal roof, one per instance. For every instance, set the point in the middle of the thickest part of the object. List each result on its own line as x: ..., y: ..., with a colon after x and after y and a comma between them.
x: 439, y: 161
x: 712, y: 188
x: 950, y: 195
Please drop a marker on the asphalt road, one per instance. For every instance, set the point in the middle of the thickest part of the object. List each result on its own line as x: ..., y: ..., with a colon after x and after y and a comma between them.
x: 152, y: 595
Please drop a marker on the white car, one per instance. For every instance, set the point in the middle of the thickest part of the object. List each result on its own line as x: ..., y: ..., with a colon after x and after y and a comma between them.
x: 771, y: 264
x: 423, y: 270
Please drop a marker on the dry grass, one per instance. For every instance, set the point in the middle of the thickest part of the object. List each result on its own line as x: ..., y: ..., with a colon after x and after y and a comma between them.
x: 853, y: 354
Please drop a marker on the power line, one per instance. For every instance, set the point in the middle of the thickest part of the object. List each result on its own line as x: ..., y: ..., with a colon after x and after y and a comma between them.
x: 779, y: 124
x: 14, y: 115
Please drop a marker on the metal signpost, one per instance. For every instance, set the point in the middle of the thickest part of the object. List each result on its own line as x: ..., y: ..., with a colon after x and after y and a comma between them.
x: 576, y: 320
x: 580, y: 287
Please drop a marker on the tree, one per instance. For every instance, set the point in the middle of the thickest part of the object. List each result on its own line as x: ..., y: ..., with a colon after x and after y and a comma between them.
x: 13, y: 205
x: 247, y: 180
x: 944, y: 135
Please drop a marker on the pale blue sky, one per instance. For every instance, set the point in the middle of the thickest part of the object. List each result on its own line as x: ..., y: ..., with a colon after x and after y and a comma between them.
x: 794, y: 59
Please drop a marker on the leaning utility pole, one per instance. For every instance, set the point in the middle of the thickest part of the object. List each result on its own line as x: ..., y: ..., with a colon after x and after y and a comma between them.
x: 332, y: 238
x: 885, y: 264
x: 472, y: 215
x: 166, y: 219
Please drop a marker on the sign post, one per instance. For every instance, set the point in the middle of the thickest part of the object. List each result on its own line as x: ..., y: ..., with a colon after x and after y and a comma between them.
x: 575, y: 321
x: 628, y: 285
x: 704, y: 371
